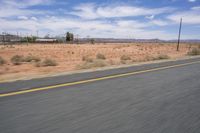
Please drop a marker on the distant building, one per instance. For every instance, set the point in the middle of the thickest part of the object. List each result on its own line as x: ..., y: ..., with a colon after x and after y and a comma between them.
x: 46, y: 40
x: 9, y: 38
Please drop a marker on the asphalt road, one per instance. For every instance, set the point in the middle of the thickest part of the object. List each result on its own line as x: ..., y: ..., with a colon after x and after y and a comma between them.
x: 163, y: 101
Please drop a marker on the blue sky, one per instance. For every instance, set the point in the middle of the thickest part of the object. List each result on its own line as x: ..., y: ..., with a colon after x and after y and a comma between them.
x: 102, y: 18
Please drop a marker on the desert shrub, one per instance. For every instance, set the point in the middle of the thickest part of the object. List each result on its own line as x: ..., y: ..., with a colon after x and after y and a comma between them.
x: 123, y: 61
x: 99, y: 63
x: 2, y: 61
x: 161, y: 57
x: 49, y: 62
x: 31, y: 58
x: 94, y: 64
x: 17, y: 59
x: 87, y: 59
x: 100, y: 56
x: 149, y: 58
x: 38, y: 64
x: 112, y: 62
x: 125, y: 58
x: 194, y: 51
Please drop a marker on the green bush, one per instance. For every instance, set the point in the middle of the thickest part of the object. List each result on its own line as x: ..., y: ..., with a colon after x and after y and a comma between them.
x: 125, y: 58
x: 17, y: 59
x: 194, y: 51
x: 31, y: 58
x: 100, y: 56
x: 49, y: 62
x: 2, y: 61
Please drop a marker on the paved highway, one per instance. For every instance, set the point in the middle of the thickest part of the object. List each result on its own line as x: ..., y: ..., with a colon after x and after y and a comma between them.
x: 160, y: 101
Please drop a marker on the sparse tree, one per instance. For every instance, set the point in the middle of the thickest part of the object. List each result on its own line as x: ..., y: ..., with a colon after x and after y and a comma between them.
x: 28, y: 39
x: 92, y: 41
x: 69, y: 37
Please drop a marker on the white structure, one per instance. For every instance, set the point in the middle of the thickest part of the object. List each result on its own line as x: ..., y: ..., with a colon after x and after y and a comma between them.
x: 47, y: 40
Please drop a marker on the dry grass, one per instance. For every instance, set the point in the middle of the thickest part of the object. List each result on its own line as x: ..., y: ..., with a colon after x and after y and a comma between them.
x: 100, y: 56
x: 96, y: 63
x: 17, y: 59
x: 87, y: 59
x: 194, y: 51
x: 161, y: 57
x: 2, y: 61
x: 67, y: 57
x: 46, y: 62
x: 31, y: 58
x: 125, y: 58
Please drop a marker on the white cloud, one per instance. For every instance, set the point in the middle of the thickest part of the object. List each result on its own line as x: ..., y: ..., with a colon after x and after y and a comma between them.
x: 85, y: 11
x: 126, y: 24
x: 160, y: 22
x: 91, y: 11
x: 10, y: 8
x: 94, y: 28
x: 150, y: 17
x: 92, y: 20
x: 196, y: 8
x: 24, y: 3
x: 23, y: 17
x: 191, y: 0
x: 189, y: 17
x: 34, y: 18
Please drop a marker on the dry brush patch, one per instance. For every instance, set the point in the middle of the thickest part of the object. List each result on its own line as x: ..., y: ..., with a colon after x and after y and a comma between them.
x: 125, y: 59
x: 94, y: 64
x: 68, y: 57
x: 100, y: 56
x: 194, y: 51
x: 2, y: 61
x: 46, y: 62
x: 17, y: 59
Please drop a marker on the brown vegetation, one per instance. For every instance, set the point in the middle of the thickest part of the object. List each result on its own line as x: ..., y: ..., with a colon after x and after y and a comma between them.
x: 2, y: 61
x: 194, y: 51
x: 23, y: 60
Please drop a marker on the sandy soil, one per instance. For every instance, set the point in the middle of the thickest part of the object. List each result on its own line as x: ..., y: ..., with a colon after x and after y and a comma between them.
x: 69, y: 57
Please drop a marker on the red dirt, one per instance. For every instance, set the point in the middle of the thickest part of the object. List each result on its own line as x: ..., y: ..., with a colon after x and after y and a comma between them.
x: 69, y: 56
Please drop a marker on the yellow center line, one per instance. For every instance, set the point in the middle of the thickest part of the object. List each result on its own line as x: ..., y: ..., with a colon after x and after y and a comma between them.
x: 93, y: 80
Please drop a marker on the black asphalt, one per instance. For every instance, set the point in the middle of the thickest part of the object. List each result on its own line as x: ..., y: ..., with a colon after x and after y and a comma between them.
x: 42, y: 82
x: 164, y: 101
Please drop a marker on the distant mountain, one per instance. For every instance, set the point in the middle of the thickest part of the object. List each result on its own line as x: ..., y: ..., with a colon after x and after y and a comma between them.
x: 14, y: 38
x: 113, y: 40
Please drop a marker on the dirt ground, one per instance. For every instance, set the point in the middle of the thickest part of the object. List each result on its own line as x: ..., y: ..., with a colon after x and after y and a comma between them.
x: 70, y: 57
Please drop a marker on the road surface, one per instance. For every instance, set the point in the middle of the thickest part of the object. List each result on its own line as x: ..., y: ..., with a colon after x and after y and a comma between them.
x: 160, y: 101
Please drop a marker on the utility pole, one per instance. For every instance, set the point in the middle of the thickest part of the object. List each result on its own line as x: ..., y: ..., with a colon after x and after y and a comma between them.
x: 27, y: 38
x: 3, y: 38
x: 179, y: 36
x: 77, y: 37
x: 37, y: 34
x: 88, y: 38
